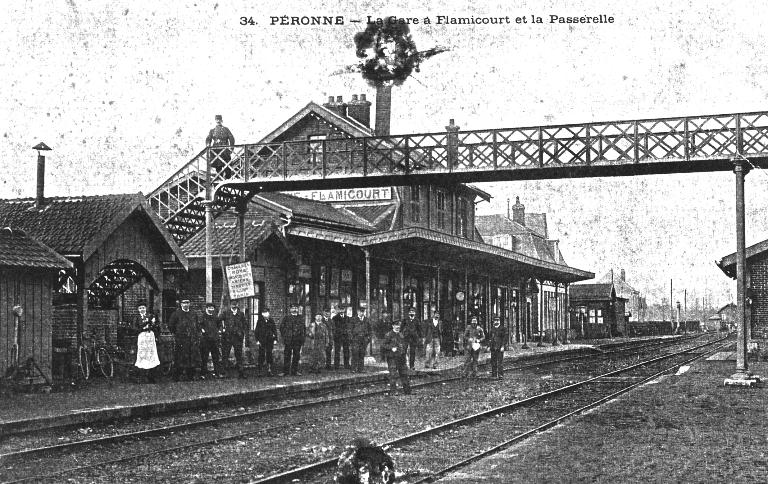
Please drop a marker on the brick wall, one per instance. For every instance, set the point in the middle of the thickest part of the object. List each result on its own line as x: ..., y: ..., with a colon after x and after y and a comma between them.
x: 759, y: 293
x: 65, y: 325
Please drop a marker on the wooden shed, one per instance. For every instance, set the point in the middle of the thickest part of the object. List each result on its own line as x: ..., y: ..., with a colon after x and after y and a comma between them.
x: 28, y: 277
x: 118, y: 248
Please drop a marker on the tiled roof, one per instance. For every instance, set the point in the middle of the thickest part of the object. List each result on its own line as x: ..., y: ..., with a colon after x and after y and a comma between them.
x: 346, y: 124
x: 622, y: 287
x: 528, y: 240
x: 728, y: 263
x: 591, y: 292
x: 66, y: 224
x: 227, y: 236
x: 438, y: 237
x: 306, y: 210
x: 537, y: 222
x: 78, y: 225
x: 20, y: 250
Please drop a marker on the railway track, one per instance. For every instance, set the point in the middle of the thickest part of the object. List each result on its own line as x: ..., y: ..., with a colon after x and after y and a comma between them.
x: 175, y: 433
x: 542, y: 411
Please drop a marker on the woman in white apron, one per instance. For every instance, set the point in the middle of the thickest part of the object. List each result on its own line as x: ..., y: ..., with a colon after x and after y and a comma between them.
x: 146, y: 346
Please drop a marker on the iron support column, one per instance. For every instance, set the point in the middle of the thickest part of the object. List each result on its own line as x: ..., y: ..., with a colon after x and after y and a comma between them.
x: 556, y: 339
x: 208, y: 232
x: 566, y: 313
x: 742, y: 366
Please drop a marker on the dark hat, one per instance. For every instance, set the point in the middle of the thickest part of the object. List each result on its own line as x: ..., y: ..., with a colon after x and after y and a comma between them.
x: 396, y: 322
x: 234, y: 302
x: 497, y: 317
x: 293, y: 305
x: 218, y: 117
x: 412, y: 310
x: 264, y: 310
x: 326, y: 309
x: 141, y: 302
x: 210, y: 305
x: 184, y: 299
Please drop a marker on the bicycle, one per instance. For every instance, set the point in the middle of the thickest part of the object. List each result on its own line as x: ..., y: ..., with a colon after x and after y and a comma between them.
x: 96, y: 358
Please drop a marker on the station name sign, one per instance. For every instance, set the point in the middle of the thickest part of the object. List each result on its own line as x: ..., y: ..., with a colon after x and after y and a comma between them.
x: 346, y: 194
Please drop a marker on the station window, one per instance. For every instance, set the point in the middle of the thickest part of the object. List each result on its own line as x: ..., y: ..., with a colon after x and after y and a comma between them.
x: 462, y: 218
x: 415, y: 204
x: 315, y: 144
x: 442, y: 214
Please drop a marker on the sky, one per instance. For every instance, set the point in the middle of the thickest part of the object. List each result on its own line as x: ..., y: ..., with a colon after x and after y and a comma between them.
x: 125, y: 93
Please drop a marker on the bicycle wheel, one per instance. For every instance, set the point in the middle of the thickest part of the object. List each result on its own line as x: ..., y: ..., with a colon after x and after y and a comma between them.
x: 104, y: 362
x: 84, y: 362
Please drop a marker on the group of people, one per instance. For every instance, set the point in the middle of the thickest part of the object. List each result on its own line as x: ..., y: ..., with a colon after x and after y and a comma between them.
x: 327, y: 342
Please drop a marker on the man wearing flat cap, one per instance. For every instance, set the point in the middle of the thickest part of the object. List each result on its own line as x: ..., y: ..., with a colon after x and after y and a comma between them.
x: 209, y: 340
x: 293, y: 332
x: 360, y: 336
x: 340, y: 337
x: 234, y: 328
x: 220, y: 141
x: 266, y: 335
x: 185, y: 326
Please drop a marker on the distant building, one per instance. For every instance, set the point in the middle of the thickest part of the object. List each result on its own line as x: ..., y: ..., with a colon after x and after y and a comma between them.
x: 757, y: 287
x: 636, y: 307
x: 597, y: 310
x: 527, y: 233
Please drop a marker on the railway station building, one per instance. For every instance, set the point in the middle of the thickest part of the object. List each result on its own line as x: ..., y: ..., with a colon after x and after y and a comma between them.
x: 756, y: 288
x: 387, y: 248
x: 597, y: 311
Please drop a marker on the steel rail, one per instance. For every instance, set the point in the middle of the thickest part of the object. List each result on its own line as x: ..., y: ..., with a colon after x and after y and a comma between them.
x: 287, y: 408
x: 324, y: 465
x: 213, y: 421
x: 552, y: 423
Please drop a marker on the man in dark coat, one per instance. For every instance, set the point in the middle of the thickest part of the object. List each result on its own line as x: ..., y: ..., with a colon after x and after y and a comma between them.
x: 411, y: 329
x: 340, y: 337
x: 293, y: 331
x: 360, y: 335
x: 210, y: 334
x: 393, y: 352
x: 329, y: 327
x: 266, y: 335
x: 185, y: 326
x: 221, y: 141
x: 234, y: 328
x: 433, y: 333
x: 497, y: 339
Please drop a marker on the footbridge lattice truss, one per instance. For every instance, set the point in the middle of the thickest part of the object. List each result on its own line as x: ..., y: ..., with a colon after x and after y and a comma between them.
x: 617, y: 148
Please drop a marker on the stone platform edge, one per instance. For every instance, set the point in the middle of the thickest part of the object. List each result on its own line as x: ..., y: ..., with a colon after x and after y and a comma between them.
x: 88, y: 416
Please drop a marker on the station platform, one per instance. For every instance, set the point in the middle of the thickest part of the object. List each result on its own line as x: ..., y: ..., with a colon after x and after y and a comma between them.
x: 99, y: 400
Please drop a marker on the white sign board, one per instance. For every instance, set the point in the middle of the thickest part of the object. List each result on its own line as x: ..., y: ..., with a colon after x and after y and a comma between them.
x: 240, y: 279
x: 346, y: 194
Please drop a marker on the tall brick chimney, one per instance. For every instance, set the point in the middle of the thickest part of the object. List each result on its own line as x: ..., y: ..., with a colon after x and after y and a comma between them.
x: 360, y: 110
x: 383, y: 109
x: 623, y: 276
x: 518, y: 212
x: 338, y: 106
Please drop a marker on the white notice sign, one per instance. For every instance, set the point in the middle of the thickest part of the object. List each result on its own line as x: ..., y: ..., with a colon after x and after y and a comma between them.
x: 240, y: 280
